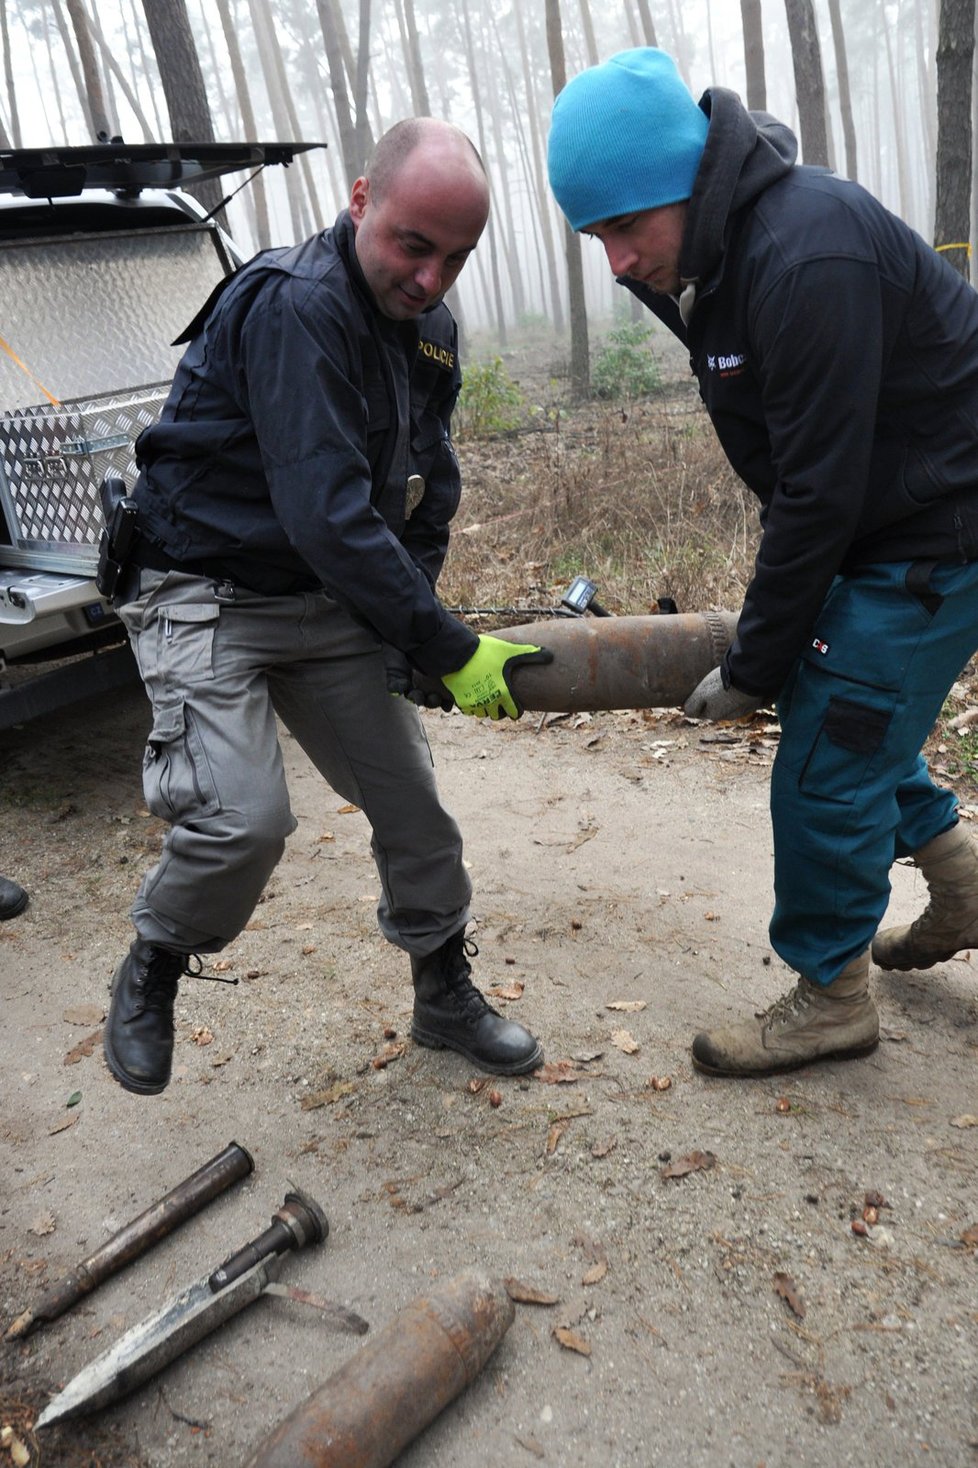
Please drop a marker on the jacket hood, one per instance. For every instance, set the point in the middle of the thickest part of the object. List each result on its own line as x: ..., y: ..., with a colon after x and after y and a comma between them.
x: 745, y: 152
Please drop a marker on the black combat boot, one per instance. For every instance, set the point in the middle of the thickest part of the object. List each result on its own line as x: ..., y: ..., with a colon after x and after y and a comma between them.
x: 449, y: 1012
x: 13, y: 899
x: 138, y: 1037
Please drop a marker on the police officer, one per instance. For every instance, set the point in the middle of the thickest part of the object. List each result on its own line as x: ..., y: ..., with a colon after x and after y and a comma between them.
x: 837, y: 356
x: 294, y: 506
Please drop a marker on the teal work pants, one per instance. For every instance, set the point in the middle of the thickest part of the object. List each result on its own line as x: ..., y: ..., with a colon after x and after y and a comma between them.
x: 850, y: 790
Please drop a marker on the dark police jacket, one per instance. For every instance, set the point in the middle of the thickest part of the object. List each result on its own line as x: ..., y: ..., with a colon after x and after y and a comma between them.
x: 283, y: 454
x: 837, y: 356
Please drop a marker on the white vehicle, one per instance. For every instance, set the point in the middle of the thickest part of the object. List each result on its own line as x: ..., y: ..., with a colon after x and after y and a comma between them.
x: 103, y: 261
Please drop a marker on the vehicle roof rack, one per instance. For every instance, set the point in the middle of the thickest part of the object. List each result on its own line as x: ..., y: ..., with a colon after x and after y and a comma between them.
x: 53, y: 172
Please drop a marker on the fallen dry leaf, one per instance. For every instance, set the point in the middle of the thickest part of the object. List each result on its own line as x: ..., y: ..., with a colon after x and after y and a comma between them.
x: 201, y: 1035
x: 557, y: 1072
x: 693, y: 1162
x: 332, y: 1093
x: 308, y: 948
x: 218, y: 1060
x: 571, y: 1341
x: 970, y: 1236
x: 964, y: 1121
x: 596, y: 1273
x: 508, y: 991
x: 628, y: 1006
x: 83, y: 1049
x: 43, y: 1224
x: 389, y: 1053
x: 601, y: 1149
x: 20, y: 1453
x: 222, y: 966
x: 625, y: 1042
x: 348, y: 810
x: 84, y: 1014
x: 527, y: 1294
x: 554, y: 1135
x: 62, y: 1126
x: 785, y: 1286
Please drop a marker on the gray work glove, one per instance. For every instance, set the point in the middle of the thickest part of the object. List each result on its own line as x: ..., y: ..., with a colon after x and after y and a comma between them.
x: 714, y: 699
x: 401, y: 684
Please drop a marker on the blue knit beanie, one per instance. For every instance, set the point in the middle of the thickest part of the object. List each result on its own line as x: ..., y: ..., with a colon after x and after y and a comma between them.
x: 625, y: 135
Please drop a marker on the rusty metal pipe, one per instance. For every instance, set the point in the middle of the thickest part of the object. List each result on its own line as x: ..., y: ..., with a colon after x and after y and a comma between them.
x: 137, y: 1236
x: 389, y: 1390
x: 617, y: 662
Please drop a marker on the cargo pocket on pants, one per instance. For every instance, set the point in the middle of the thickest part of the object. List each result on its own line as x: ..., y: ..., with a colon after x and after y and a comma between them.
x: 177, y: 780
x: 851, y: 735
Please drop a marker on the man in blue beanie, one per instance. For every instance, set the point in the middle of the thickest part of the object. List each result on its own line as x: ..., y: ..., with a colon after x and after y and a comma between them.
x: 837, y: 356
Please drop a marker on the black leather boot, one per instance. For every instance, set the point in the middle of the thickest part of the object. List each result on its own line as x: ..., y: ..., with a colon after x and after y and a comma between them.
x: 13, y: 899
x: 449, y: 1012
x: 138, y: 1037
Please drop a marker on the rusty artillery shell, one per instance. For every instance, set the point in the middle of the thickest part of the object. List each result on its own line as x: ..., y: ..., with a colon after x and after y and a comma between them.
x: 140, y: 1234
x: 390, y: 1389
x: 617, y: 662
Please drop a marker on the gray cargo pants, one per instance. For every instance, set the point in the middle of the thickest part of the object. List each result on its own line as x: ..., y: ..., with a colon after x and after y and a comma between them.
x: 218, y: 664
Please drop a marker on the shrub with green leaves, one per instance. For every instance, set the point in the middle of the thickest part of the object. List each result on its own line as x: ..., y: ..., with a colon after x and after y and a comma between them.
x: 490, y: 401
x: 626, y: 368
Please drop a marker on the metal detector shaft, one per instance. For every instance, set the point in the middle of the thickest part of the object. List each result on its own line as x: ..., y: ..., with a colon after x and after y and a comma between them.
x: 137, y: 1236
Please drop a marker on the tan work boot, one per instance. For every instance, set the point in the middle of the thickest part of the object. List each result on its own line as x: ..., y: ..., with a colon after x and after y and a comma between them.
x: 813, y: 1022
x: 949, y: 922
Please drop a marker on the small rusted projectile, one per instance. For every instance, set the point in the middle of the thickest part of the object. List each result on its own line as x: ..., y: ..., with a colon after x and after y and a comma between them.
x: 193, y: 1314
x: 391, y: 1388
x: 140, y: 1234
x: 616, y: 662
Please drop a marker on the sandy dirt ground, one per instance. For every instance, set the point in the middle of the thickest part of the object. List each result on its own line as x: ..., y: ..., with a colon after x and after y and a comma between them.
x: 727, y: 1315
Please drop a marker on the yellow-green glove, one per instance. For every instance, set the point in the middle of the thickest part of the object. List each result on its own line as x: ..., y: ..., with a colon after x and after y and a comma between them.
x: 482, y: 687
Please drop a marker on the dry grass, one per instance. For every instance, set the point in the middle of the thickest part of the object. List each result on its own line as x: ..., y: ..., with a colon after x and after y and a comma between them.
x: 638, y: 498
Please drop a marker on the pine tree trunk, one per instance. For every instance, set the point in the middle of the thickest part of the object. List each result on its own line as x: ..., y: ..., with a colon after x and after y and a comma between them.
x: 544, y: 209
x: 750, y: 19
x: 809, y: 84
x: 580, y: 362
x: 955, y: 56
x: 845, y: 95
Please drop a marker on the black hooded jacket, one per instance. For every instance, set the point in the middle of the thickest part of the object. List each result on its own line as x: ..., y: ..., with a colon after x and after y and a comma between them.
x: 283, y: 455
x: 837, y: 356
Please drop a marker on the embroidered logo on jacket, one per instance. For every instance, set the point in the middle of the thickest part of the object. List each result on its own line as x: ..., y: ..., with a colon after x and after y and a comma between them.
x: 436, y: 353
x: 729, y: 366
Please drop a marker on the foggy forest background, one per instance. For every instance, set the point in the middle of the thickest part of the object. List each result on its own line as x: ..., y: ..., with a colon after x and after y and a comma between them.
x: 880, y: 90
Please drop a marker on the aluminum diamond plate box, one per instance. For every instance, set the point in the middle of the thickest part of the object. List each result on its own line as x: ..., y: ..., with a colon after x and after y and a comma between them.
x: 86, y: 318
x: 87, y: 315
x: 52, y: 461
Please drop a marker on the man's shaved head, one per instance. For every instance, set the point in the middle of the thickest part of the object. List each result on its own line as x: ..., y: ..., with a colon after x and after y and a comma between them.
x: 399, y: 142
